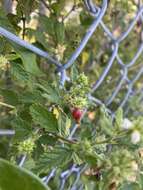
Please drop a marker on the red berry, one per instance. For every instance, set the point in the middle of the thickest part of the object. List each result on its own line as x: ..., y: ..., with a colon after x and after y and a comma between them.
x: 77, y: 114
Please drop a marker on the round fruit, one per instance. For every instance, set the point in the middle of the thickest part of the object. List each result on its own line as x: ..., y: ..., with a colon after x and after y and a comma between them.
x: 77, y: 114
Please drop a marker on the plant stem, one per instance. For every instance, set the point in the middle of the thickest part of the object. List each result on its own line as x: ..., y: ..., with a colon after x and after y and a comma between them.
x: 62, y: 138
x: 7, y: 105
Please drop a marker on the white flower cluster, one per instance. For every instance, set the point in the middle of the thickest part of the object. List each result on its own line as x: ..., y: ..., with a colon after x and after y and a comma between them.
x: 135, y: 135
x: 127, y: 124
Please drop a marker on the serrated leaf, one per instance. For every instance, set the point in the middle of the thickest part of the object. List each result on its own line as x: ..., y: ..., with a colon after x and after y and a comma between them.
x: 16, y: 178
x: 50, y: 93
x: 22, y: 128
x: 64, y: 124
x: 44, y: 118
x: 18, y: 72
x: 10, y: 96
x: 31, y: 97
x: 58, y: 157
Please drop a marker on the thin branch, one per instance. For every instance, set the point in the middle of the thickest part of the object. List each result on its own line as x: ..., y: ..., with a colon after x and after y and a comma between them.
x: 46, y: 5
x: 67, y: 15
x: 62, y: 138
x: 7, y: 105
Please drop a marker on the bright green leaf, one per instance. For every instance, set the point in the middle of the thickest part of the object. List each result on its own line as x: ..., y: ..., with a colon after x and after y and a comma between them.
x: 15, y: 178
x: 29, y: 62
x: 58, y: 157
x: 44, y: 118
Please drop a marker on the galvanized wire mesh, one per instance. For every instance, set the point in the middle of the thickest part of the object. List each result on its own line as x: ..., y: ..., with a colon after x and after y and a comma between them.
x: 97, y: 13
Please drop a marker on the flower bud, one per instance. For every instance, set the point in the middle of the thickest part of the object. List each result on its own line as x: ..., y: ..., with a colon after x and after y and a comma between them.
x: 26, y: 147
x: 127, y: 124
x: 135, y: 137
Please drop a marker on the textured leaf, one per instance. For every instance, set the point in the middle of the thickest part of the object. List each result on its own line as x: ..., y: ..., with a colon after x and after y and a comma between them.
x: 10, y: 97
x: 18, y: 72
x: 51, y: 94
x: 44, y: 118
x: 64, y: 124
x: 58, y: 157
x: 31, y: 97
x: 106, y: 122
x: 60, y: 32
x: 47, y: 140
x: 29, y: 61
x: 47, y: 24
x: 119, y: 117
x: 22, y: 128
x: 15, y: 178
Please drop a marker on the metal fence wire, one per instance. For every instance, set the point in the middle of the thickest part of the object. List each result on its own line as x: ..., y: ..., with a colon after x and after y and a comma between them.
x: 97, y: 13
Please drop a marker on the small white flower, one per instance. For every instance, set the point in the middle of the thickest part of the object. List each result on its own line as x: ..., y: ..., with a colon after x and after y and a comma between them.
x: 127, y: 124
x: 135, y: 137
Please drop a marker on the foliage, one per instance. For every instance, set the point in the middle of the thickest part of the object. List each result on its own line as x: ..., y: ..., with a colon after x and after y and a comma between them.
x: 33, y: 103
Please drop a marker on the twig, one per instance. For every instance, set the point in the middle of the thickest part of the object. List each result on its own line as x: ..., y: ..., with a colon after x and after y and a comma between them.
x: 46, y: 5
x: 7, y: 105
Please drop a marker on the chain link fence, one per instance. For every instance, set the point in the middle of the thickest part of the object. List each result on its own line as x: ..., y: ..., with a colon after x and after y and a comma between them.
x: 97, y: 13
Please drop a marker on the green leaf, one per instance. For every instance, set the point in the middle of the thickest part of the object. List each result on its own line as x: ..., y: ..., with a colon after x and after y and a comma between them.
x: 74, y: 72
x: 12, y: 56
x: 89, y: 158
x: 106, y: 122
x: 85, y: 19
x: 64, y: 124
x: 58, y: 7
x: 44, y: 118
x: 60, y: 32
x: 132, y: 186
x: 119, y: 117
x: 15, y: 178
x: 31, y: 97
x: 22, y: 128
x: 19, y: 73
x: 4, y: 22
x: 47, y: 140
x: 14, y: 20
x: 141, y: 181
x: 47, y: 24
x: 58, y: 157
x: 10, y: 96
x: 26, y: 7
x: 29, y: 61
x: 50, y: 93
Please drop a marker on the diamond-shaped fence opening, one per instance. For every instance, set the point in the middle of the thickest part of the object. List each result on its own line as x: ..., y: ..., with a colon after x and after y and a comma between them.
x: 122, y: 82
